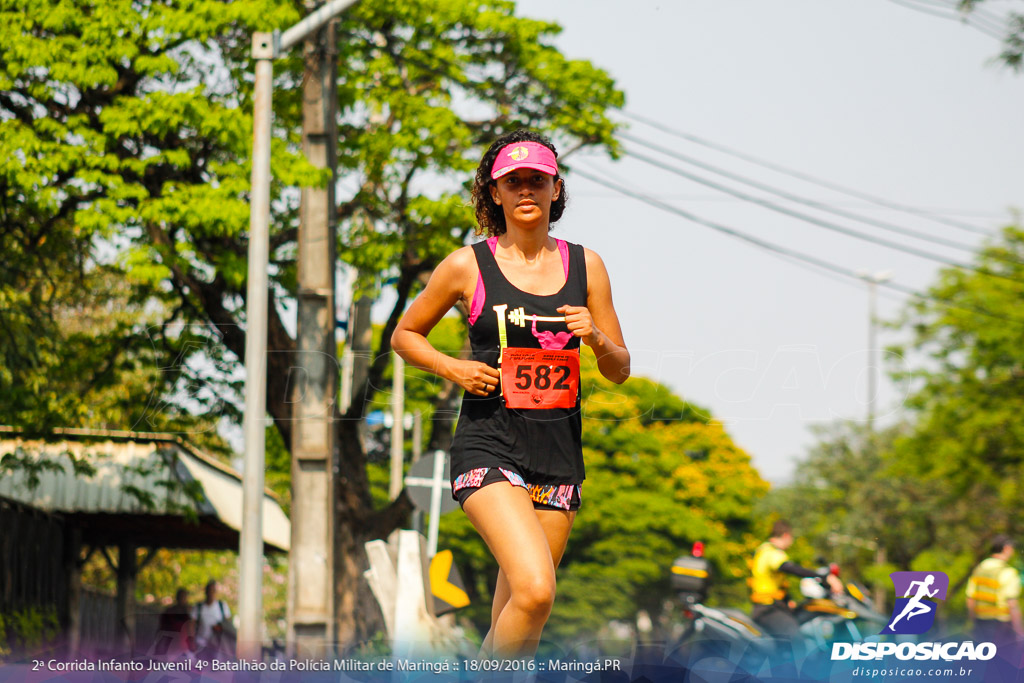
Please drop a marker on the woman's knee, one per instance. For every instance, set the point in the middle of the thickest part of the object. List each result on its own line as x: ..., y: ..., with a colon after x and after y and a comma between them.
x: 534, y: 594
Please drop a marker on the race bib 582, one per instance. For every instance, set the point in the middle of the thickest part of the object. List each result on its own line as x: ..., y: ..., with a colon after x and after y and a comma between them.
x: 538, y: 378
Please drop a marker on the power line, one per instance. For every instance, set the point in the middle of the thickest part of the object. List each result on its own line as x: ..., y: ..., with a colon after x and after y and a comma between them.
x: 836, y: 277
x: 803, y: 176
x: 822, y: 223
x: 801, y: 200
x: 784, y: 251
x: 718, y: 198
x: 927, y: 8
x: 796, y: 174
x: 973, y: 14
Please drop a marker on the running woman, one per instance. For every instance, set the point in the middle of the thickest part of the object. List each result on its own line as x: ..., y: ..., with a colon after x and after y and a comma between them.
x: 517, y: 459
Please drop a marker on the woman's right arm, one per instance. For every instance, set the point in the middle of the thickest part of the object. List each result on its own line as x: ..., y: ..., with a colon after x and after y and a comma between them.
x: 447, y: 285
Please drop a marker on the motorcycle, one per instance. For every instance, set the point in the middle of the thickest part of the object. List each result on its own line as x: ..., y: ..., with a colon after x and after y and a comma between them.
x: 705, y: 631
x: 730, y: 633
x: 827, y: 617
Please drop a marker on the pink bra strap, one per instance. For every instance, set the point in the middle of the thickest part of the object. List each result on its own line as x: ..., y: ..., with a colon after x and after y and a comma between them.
x: 563, y: 250
x: 480, y: 294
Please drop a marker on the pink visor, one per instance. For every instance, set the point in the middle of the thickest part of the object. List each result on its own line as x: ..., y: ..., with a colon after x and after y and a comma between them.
x: 524, y: 155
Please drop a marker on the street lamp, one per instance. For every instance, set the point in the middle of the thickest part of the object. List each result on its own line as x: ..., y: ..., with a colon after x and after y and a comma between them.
x: 873, y: 280
x: 265, y: 48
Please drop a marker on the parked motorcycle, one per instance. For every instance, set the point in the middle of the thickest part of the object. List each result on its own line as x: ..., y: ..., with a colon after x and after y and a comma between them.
x: 731, y: 634
x: 827, y: 617
x: 705, y: 631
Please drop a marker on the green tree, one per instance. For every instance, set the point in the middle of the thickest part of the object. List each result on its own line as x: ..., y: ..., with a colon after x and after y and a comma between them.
x: 932, y: 491
x: 1013, y: 40
x: 969, y: 433
x: 127, y: 125
x: 850, y: 498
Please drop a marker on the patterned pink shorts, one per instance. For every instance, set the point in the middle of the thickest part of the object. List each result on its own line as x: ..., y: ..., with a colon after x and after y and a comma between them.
x: 560, y: 496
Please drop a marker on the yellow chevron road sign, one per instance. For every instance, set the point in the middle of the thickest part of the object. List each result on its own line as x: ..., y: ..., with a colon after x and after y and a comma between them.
x: 446, y: 584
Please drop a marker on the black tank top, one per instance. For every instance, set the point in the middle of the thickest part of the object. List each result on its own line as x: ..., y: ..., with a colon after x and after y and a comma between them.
x: 542, y: 445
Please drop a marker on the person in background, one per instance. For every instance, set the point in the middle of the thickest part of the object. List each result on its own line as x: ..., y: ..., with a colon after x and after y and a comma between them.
x: 993, y: 592
x: 176, y: 631
x: 213, y: 625
x: 773, y: 609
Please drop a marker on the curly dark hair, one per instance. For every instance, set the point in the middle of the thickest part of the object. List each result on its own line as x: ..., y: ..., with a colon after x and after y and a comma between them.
x: 489, y: 216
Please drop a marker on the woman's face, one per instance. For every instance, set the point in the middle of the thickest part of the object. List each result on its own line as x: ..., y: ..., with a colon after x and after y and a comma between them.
x: 525, y: 196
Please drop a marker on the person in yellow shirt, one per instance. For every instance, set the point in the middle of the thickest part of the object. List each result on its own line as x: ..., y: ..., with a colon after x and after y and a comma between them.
x: 772, y: 608
x: 993, y: 592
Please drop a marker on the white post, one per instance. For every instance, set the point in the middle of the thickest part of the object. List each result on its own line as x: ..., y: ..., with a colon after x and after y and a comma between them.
x: 873, y: 280
x: 397, y: 427
x: 436, y: 489
x: 250, y: 547
x: 345, y: 400
x: 872, y: 286
x: 417, y: 452
x: 265, y: 47
x: 417, y: 435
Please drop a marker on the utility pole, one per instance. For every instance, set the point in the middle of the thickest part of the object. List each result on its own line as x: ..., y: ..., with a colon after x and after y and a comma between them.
x: 265, y: 48
x: 250, y: 544
x: 417, y: 451
x: 310, y: 605
x: 873, y: 281
x: 357, y: 347
x: 397, y: 427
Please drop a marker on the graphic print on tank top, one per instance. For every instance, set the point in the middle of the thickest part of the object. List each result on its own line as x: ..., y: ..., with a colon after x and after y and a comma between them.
x: 539, y: 370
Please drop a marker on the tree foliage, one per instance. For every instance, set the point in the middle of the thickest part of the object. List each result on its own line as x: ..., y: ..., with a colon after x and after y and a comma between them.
x: 969, y: 434
x: 136, y: 132
x: 933, y: 490
x: 848, y: 500
x: 1013, y: 40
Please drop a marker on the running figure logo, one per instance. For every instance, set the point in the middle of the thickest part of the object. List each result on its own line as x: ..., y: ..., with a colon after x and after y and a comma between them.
x: 914, y: 612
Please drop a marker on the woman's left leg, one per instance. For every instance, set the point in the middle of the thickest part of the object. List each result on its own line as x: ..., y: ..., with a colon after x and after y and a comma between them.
x: 557, y: 524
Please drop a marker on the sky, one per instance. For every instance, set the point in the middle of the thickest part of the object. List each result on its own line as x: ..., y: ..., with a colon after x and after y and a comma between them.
x: 870, y: 95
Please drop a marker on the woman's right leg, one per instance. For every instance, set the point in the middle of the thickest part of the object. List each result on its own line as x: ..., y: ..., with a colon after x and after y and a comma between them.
x: 505, y: 518
x: 501, y: 596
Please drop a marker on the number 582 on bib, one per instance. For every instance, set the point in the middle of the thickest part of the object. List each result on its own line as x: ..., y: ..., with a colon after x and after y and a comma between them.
x: 538, y: 378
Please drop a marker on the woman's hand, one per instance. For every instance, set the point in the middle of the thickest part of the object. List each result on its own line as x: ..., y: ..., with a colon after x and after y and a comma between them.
x: 475, y: 377
x: 581, y: 324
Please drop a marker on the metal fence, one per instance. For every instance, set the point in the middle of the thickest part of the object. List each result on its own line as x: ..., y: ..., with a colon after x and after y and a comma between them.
x: 101, y: 632
x: 31, y: 559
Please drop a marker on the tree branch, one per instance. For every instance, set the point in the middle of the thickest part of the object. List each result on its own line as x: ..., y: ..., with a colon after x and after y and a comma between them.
x: 382, y: 356
x: 381, y: 523
x: 211, y: 301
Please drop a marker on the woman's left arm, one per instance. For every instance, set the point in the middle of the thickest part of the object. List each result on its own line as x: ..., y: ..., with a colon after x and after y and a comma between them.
x: 597, y: 324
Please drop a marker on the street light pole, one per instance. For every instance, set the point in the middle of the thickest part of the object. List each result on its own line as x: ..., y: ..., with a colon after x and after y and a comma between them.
x: 396, y: 483
x: 250, y: 546
x: 265, y: 48
x: 873, y: 281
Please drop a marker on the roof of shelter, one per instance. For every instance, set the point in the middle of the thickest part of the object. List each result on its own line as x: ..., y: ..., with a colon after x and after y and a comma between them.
x: 146, y: 488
